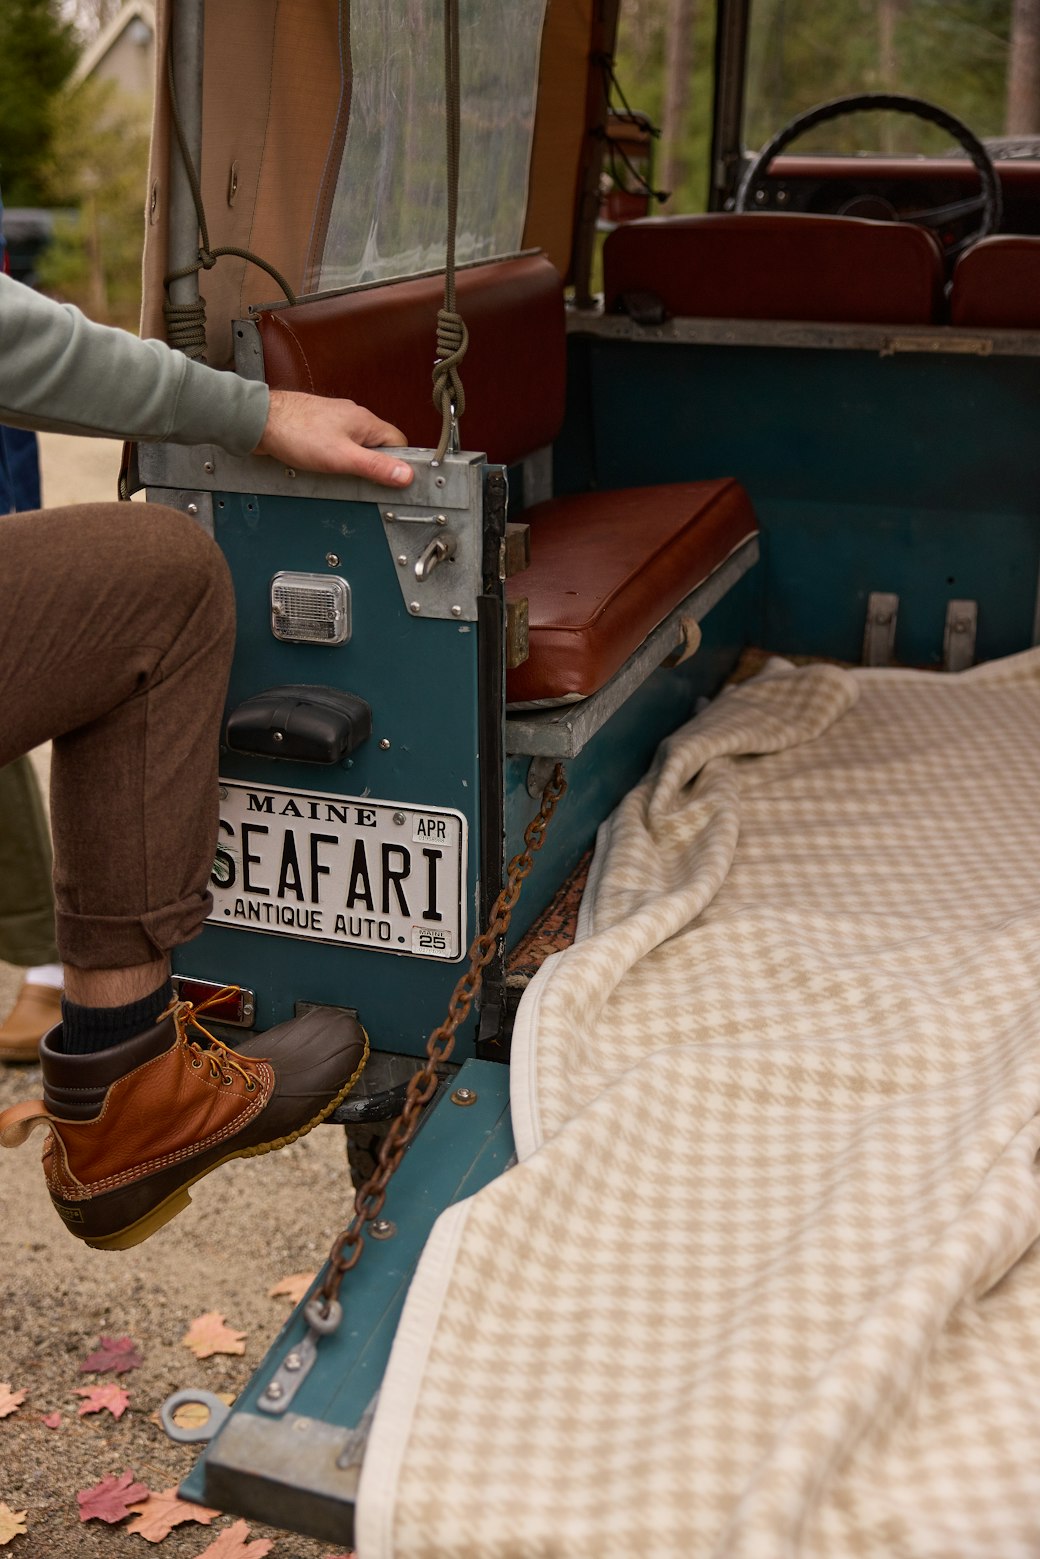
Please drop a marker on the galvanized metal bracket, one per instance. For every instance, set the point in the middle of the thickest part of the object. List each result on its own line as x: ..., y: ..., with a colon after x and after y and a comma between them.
x: 437, y: 559
x: 879, y: 630
x: 197, y: 506
x: 297, y: 1364
x: 962, y: 620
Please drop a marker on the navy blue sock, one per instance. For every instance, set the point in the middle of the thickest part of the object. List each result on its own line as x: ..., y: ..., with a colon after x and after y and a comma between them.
x: 86, y: 1030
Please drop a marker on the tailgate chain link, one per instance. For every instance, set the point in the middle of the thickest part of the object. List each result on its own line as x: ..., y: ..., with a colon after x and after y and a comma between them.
x: 368, y: 1202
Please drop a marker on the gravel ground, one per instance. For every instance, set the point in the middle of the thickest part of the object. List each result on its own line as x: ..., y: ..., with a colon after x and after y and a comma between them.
x: 278, y: 1215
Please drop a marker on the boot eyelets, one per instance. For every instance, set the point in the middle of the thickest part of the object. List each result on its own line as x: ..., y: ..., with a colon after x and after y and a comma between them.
x: 251, y: 1086
x: 196, y: 1066
x: 227, y: 1079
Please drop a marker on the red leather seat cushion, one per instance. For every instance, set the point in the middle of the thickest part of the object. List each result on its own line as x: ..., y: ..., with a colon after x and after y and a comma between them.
x: 997, y: 284
x: 607, y: 567
x: 377, y: 345
x: 770, y: 265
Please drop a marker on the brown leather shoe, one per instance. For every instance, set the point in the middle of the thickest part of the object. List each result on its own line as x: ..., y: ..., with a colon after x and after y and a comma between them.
x: 37, y: 1009
x: 132, y: 1128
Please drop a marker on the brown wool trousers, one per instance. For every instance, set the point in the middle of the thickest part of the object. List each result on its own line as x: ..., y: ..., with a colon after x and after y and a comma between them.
x: 116, y: 635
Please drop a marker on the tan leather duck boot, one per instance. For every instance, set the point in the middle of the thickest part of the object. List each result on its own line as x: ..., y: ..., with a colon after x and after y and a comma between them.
x: 132, y: 1128
x: 37, y: 1009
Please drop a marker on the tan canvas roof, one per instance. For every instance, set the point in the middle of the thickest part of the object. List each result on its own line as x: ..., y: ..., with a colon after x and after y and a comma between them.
x: 276, y: 101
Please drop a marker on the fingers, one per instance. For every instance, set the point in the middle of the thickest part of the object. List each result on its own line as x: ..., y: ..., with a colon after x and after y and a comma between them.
x: 376, y: 467
x: 322, y: 434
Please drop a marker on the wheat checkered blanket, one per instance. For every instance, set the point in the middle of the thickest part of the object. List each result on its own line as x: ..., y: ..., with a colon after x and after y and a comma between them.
x: 765, y: 1281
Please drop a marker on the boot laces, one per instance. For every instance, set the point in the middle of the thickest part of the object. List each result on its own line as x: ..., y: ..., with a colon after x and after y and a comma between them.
x: 222, y: 1061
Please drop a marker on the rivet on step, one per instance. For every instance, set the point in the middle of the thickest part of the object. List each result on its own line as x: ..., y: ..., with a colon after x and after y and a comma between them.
x: 275, y: 1391
x: 383, y: 1229
x: 332, y: 559
x: 464, y: 1096
x: 293, y: 1361
x: 414, y: 608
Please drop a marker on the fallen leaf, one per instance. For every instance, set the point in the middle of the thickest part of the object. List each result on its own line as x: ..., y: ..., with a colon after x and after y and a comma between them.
x: 160, y: 1513
x: 112, y: 1498
x: 232, y: 1544
x: 10, y: 1401
x: 12, y: 1524
x: 207, y: 1335
x: 293, y: 1287
x: 113, y: 1355
x: 98, y: 1398
x: 51, y: 1420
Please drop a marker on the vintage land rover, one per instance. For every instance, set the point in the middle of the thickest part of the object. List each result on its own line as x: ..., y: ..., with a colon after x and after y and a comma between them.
x: 799, y: 420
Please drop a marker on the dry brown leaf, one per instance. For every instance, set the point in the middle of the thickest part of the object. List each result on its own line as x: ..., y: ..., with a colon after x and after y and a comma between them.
x: 233, y: 1544
x: 207, y: 1335
x: 51, y: 1420
x: 293, y: 1287
x: 108, y: 1397
x: 112, y: 1499
x: 161, y: 1512
x: 192, y: 1415
x: 12, y: 1523
x: 10, y: 1401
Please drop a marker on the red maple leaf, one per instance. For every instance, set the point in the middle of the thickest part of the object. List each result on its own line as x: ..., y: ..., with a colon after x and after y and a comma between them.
x: 111, y: 1499
x: 51, y: 1420
x: 113, y: 1355
x: 109, y: 1396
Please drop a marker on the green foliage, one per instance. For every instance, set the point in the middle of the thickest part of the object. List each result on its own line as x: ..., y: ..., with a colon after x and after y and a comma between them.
x: 640, y: 68
x: 802, y: 52
x: 37, y: 51
x: 98, y: 164
x: 951, y: 52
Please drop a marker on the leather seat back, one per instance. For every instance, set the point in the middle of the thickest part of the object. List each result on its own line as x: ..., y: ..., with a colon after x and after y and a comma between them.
x: 996, y: 284
x: 377, y: 345
x: 771, y: 265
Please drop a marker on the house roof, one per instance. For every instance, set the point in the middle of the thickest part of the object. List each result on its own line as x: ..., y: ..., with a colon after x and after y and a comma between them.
x: 133, y: 10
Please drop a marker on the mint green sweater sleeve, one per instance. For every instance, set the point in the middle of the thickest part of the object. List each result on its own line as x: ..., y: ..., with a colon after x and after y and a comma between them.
x: 61, y: 373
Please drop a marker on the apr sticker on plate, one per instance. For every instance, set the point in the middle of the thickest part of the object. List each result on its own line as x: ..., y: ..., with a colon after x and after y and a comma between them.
x: 342, y: 869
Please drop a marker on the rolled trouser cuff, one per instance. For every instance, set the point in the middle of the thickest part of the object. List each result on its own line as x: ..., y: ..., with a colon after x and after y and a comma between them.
x: 122, y: 941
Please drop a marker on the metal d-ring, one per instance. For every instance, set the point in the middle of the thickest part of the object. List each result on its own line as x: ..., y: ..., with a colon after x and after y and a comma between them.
x: 218, y: 1412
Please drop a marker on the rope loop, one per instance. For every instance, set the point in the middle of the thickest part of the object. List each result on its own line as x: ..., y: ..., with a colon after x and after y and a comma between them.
x: 449, y: 397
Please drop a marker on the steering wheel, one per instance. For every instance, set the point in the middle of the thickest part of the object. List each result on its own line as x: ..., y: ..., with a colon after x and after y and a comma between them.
x: 988, y: 204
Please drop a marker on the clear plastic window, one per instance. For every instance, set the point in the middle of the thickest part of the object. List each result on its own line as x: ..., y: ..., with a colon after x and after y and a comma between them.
x: 389, y: 212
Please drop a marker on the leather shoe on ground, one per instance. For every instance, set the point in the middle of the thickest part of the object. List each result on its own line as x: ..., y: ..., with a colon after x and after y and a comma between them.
x: 37, y: 1009
x: 132, y: 1128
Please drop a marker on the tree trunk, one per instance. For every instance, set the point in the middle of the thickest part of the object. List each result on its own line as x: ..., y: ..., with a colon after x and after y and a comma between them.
x: 679, y: 58
x: 1023, y: 98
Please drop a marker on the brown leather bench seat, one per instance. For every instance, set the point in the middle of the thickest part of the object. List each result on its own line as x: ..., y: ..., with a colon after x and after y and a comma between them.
x: 606, y: 567
x: 775, y: 265
x: 996, y: 284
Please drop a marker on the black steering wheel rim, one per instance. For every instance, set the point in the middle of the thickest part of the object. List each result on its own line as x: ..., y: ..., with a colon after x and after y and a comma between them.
x: 897, y: 102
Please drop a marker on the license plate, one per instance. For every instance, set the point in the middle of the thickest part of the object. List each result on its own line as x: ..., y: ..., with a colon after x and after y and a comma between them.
x: 343, y: 869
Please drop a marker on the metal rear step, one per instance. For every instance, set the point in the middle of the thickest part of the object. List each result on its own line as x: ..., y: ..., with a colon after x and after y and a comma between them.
x: 300, y: 1470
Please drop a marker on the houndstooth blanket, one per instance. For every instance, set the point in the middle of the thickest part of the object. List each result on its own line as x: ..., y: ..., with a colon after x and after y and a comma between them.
x: 765, y: 1281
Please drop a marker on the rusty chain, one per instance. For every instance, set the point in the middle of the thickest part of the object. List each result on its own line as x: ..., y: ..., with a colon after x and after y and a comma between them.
x: 370, y: 1197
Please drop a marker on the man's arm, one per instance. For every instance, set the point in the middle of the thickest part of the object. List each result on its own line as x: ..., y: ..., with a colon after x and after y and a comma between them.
x: 60, y: 372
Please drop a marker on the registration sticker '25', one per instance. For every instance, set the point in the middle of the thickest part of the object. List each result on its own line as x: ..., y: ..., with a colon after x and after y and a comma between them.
x: 384, y: 875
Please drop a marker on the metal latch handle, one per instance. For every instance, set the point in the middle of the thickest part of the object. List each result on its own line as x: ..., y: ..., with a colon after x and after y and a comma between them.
x: 435, y: 552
